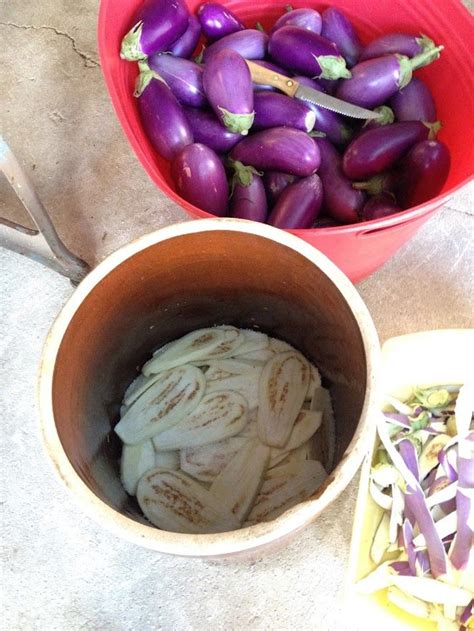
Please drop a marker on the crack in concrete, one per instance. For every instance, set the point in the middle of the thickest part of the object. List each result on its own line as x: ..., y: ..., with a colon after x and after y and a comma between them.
x: 89, y: 62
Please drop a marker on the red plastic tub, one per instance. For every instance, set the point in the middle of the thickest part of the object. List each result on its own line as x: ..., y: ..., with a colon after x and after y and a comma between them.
x: 357, y: 249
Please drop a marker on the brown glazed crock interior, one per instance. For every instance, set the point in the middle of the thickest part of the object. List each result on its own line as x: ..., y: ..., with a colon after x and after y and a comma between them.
x: 173, y: 287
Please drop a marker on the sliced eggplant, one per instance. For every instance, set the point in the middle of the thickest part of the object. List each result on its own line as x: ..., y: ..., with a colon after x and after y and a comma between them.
x: 167, y: 460
x: 173, y: 501
x: 282, y: 388
x: 279, y: 494
x: 297, y: 455
x: 246, y: 383
x: 136, y: 461
x: 206, y: 462
x: 172, y: 397
x: 306, y: 425
x: 219, y: 415
x: 210, y: 343
x: 253, y: 341
x: 429, y: 456
x: 322, y: 401
x: 237, y: 486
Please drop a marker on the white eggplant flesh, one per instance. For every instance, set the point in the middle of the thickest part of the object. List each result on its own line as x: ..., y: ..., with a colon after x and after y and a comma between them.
x: 238, y: 484
x: 137, y: 388
x: 432, y: 590
x: 306, y: 425
x: 135, y: 462
x: 410, y: 604
x: 314, y: 382
x: 288, y: 469
x: 247, y: 384
x: 381, y: 539
x: 206, y: 462
x: 322, y: 401
x: 173, y: 501
x: 279, y: 346
x: 167, y: 460
x: 253, y: 341
x: 172, y: 397
x: 219, y: 415
x: 303, y: 452
x: 428, y: 459
x: 211, y: 343
x: 279, y: 494
x: 282, y: 388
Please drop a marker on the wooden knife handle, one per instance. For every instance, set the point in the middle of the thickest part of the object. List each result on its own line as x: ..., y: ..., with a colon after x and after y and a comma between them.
x: 263, y: 76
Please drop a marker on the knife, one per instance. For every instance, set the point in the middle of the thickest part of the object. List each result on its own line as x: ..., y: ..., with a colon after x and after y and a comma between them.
x: 292, y: 88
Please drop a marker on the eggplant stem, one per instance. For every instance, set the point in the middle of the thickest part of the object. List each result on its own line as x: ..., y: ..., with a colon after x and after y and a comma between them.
x: 130, y: 48
x: 426, y: 57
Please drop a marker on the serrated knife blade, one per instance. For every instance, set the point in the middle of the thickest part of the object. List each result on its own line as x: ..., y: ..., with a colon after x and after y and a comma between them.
x: 289, y: 86
x: 331, y: 103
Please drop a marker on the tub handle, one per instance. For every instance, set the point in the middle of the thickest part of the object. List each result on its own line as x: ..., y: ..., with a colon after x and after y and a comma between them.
x: 392, y: 227
x: 43, y: 244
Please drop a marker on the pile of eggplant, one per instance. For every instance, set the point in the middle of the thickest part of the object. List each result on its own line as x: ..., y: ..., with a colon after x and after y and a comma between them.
x: 219, y: 429
x: 245, y: 150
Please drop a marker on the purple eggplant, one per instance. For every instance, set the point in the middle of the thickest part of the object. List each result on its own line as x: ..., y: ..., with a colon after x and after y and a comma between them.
x: 279, y: 149
x: 397, y: 44
x: 200, y: 178
x: 337, y: 28
x: 183, y: 76
x: 248, y: 199
x: 156, y: 25
x: 322, y: 221
x: 308, y: 19
x: 208, y: 130
x: 269, y: 66
x: 380, y: 206
x: 228, y: 87
x: 250, y: 43
x: 414, y: 103
x: 374, y: 81
x: 162, y: 116
x: 329, y: 86
x: 184, y: 46
x: 328, y: 122
x: 342, y: 202
x: 217, y: 21
x: 275, y: 183
x: 307, y: 53
x: 423, y: 172
x: 276, y: 110
x: 298, y: 205
x: 378, y: 149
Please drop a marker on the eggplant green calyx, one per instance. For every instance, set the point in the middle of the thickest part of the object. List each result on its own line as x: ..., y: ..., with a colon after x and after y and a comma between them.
x: 406, y: 70
x: 199, y: 57
x: 130, y: 49
x: 243, y: 175
x: 317, y: 134
x: 259, y: 27
x: 386, y: 115
x: 425, y: 42
x: 419, y: 422
x: 332, y: 67
x: 144, y: 78
x: 433, y: 398
x: 237, y: 123
x: 426, y: 57
x: 376, y: 185
x: 434, y: 129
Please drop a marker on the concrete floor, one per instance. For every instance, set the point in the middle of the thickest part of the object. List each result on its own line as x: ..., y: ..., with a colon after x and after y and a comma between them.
x: 60, y: 570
